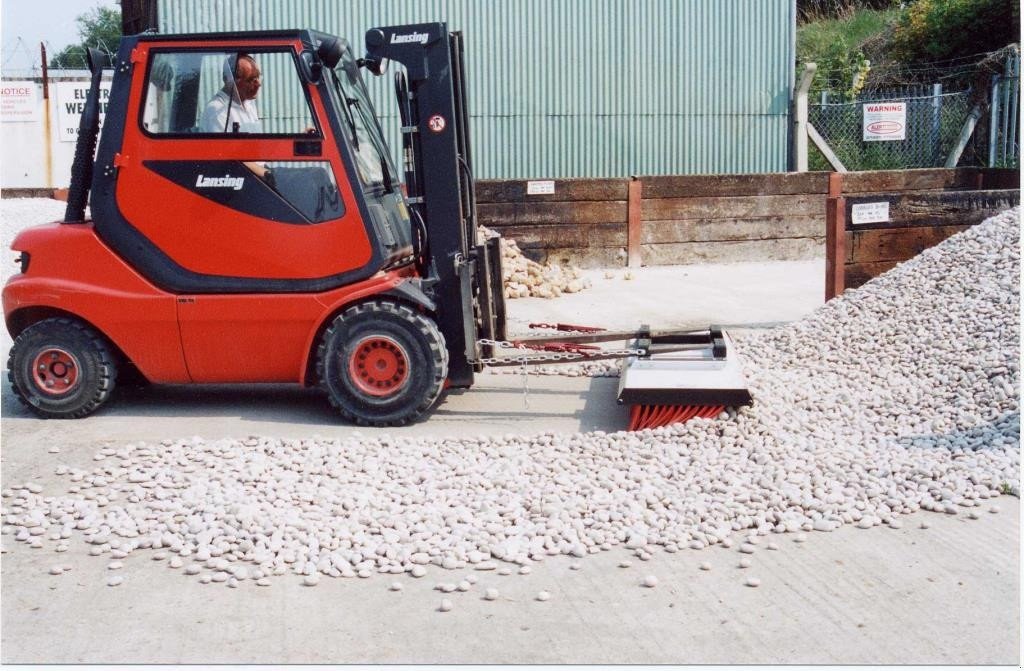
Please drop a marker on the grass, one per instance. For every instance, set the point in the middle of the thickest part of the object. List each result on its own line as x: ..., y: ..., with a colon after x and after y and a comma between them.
x: 813, y: 40
x: 835, y: 45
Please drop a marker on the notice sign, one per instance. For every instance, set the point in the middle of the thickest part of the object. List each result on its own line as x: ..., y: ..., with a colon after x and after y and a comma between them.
x: 885, y: 121
x: 19, y: 101
x: 540, y: 188
x: 870, y: 213
x: 71, y: 98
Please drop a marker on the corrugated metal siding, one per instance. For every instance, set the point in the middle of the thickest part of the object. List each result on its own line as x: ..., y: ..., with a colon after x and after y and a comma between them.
x: 581, y: 88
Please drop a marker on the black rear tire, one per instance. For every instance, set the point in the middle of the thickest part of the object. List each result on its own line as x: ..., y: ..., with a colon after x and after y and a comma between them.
x: 61, y: 369
x: 382, y: 363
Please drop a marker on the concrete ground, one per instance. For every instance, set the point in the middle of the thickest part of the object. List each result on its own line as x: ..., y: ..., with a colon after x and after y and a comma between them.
x: 949, y: 594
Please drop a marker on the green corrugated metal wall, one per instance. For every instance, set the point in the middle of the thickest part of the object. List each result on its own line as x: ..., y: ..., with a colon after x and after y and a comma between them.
x: 581, y: 88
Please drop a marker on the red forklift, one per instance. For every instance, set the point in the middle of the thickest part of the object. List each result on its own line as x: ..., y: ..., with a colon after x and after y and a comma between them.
x: 281, y: 247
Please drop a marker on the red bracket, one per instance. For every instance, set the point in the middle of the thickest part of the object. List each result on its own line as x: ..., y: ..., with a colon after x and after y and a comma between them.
x: 567, y: 347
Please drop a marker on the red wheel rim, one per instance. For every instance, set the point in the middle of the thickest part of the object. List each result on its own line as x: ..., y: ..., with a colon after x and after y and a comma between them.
x: 55, y: 371
x: 378, y: 366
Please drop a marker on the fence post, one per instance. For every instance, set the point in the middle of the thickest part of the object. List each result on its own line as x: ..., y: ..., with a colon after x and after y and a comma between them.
x: 965, y: 135
x: 993, y: 122
x: 800, y: 104
x: 835, y: 237
x: 936, y: 125
x: 634, y: 237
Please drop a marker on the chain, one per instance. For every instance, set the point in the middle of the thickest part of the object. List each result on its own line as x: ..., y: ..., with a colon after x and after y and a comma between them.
x: 526, y: 385
x: 526, y: 359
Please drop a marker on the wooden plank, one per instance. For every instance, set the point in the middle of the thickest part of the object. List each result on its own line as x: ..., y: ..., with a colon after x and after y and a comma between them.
x: 936, y: 208
x: 763, y: 184
x: 999, y: 178
x: 708, y: 230
x: 910, y: 180
x: 497, y: 215
x: 634, y: 227
x: 895, y: 244
x: 554, y: 235
x: 744, y: 207
x: 514, y: 190
x: 856, y: 274
x: 679, y: 253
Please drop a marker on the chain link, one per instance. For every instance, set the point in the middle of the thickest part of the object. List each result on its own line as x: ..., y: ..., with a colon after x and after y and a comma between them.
x: 526, y: 359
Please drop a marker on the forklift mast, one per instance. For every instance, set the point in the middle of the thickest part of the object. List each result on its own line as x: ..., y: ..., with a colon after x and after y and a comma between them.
x: 465, y: 275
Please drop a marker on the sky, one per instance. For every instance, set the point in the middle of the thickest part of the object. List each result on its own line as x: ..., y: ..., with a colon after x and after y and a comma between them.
x: 35, y: 21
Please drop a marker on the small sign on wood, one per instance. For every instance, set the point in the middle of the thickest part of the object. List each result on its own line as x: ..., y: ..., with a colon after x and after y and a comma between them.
x: 870, y: 213
x: 540, y: 188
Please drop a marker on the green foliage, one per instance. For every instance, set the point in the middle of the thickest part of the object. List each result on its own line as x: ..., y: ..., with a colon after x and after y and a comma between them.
x: 945, y: 29
x: 99, y: 28
x: 835, y: 45
x: 818, y: 10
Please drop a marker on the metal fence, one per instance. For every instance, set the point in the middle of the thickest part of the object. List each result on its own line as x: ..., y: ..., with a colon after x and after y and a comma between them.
x: 1004, y: 122
x: 933, y: 123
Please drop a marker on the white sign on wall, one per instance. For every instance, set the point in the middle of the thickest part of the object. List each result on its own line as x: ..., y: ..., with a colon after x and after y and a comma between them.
x: 540, y: 188
x: 885, y: 121
x: 71, y: 98
x: 19, y: 101
x: 870, y: 213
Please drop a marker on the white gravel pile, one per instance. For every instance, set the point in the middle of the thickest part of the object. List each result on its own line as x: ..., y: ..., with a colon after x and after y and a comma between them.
x: 524, y: 278
x: 900, y: 396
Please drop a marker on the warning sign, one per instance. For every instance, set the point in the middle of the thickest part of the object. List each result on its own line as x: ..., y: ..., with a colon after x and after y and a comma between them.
x: 71, y: 98
x: 885, y: 121
x: 19, y: 101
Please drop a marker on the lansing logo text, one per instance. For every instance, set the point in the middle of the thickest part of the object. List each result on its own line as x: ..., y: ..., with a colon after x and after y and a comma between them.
x: 410, y: 38
x: 225, y: 182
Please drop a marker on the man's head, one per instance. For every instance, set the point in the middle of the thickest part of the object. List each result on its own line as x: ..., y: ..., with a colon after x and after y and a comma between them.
x: 247, y: 77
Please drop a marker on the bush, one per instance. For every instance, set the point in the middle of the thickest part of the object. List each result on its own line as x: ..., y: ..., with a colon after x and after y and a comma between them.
x: 945, y: 29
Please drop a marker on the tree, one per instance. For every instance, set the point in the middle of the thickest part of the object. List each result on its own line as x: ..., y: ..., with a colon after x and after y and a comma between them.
x: 99, y: 28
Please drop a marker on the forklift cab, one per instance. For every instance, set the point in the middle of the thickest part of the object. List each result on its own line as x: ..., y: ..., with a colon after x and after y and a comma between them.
x: 293, y: 193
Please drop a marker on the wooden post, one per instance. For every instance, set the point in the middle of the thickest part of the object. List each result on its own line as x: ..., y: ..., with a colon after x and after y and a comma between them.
x: 835, y: 237
x: 47, y: 139
x: 633, y: 223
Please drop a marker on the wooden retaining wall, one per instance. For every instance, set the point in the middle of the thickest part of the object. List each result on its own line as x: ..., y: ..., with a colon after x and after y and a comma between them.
x: 668, y: 220
x: 924, y: 208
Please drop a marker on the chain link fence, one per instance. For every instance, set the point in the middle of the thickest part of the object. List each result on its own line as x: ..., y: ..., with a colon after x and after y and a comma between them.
x: 933, y: 124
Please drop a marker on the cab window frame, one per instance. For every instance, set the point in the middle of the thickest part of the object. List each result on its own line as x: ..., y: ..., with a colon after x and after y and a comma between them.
x: 254, y: 51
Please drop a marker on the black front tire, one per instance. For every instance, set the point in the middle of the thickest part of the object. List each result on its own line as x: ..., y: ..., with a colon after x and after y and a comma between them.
x: 382, y: 363
x: 61, y: 368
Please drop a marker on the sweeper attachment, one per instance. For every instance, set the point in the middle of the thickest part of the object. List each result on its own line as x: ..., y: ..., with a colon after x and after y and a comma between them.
x: 683, y: 376
x: 228, y: 247
x: 665, y: 377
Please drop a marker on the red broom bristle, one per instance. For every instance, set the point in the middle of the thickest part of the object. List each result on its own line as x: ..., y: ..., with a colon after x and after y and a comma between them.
x: 653, y: 416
